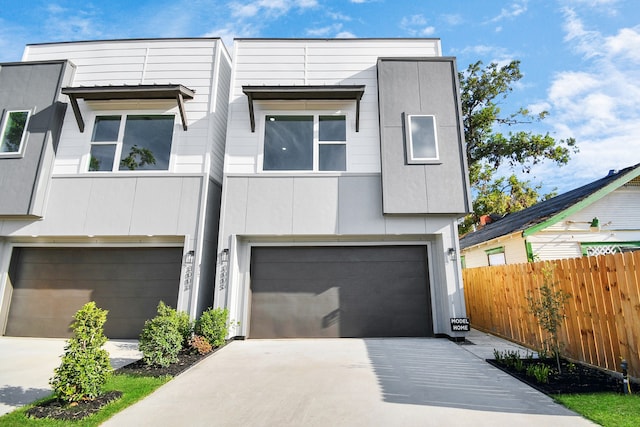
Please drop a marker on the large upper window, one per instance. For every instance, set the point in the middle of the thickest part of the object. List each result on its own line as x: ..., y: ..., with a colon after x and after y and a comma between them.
x: 14, y: 130
x: 422, y: 144
x: 131, y: 142
x: 305, y: 143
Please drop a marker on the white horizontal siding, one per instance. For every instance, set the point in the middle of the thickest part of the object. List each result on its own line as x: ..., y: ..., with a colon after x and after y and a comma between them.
x: 312, y: 62
x: 189, y: 62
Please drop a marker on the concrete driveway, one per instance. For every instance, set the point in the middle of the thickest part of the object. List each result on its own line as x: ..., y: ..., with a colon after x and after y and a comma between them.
x: 346, y: 382
x: 26, y: 364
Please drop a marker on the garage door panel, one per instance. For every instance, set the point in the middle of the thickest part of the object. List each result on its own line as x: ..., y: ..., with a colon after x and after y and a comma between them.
x: 88, y: 272
x: 317, y: 292
x: 52, y: 284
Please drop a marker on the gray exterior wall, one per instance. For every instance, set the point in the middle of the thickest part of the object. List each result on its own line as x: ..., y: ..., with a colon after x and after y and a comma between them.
x: 424, y: 86
x: 33, y: 86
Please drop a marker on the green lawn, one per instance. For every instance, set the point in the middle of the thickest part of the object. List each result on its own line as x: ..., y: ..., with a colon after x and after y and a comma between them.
x: 133, y: 388
x: 606, y: 409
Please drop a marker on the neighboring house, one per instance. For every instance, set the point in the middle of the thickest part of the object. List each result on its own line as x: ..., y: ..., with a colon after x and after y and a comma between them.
x: 120, y: 202
x: 344, y: 178
x: 598, y: 218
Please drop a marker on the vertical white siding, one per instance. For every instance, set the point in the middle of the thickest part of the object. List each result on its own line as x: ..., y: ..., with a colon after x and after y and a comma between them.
x: 313, y: 62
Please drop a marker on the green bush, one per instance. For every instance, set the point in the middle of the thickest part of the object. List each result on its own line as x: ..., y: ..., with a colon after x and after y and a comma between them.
x: 185, y: 326
x: 161, y: 338
x: 85, y: 365
x: 213, y: 325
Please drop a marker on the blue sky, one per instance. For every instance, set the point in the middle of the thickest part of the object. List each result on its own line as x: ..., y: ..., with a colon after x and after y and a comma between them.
x: 580, y: 58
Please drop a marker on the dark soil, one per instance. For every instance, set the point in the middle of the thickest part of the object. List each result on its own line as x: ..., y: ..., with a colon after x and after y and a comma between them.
x: 575, y: 377
x: 62, y: 411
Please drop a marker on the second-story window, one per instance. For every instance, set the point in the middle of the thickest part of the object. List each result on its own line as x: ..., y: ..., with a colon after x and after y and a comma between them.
x: 305, y: 143
x: 13, y: 134
x: 131, y: 142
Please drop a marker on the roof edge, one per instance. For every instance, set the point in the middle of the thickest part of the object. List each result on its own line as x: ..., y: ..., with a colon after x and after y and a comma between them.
x: 594, y: 197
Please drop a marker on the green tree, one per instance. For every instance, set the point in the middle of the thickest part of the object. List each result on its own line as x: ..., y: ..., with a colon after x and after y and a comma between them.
x: 489, y: 147
x: 85, y: 365
x: 137, y: 158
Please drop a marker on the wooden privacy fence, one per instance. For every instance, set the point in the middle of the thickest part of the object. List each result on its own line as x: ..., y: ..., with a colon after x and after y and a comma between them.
x: 602, y: 326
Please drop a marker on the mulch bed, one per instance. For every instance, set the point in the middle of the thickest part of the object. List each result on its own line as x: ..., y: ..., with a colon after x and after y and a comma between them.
x: 575, y: 377
x: 62, y: 411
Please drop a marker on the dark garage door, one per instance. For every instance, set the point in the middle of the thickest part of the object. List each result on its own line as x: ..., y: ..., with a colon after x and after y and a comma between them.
x: 51, y: 284
x: 360, y: 291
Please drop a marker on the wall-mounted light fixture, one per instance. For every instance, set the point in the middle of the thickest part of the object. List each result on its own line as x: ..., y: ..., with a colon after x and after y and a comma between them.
x: 189, y: 256
x: 451, y: 252
x: 595, y: 224
x: 224, y: 255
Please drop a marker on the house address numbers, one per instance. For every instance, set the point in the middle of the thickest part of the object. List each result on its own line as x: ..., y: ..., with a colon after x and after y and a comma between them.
x: 460, y: 324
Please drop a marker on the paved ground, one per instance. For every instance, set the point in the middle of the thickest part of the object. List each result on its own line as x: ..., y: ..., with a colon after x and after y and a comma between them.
x: 336, y: 382
x: 26, y: 364
x: 347, y: 382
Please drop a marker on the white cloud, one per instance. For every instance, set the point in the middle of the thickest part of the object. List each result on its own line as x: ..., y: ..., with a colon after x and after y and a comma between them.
x: 72, y: 24
x: 416, y: 25
x: 517, y: 8
x: 324, y: 31
x: 269, y: 8
x: 345, y: 35
x: 452, y: 19
x: 597, y: 104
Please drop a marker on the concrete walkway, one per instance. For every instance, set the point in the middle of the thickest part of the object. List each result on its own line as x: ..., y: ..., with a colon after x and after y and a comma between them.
x: 26, y: 364
x: 348, y: 382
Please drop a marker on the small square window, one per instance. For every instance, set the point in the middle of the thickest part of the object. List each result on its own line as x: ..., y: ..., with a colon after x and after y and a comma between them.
x: 422, y: 146
x: 14, y: 131
x: 332, y: 128
x: 102, y: 156
x: 106, y: 128
x: 332, y: 157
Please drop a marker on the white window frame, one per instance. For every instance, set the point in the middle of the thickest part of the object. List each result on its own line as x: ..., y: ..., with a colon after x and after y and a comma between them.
x: 316, y: 139
x: 23, y: 140
x: 119, y: 142
x: 411, y: 158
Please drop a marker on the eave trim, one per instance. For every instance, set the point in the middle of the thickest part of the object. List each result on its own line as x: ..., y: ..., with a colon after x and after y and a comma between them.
x: 594, y: 197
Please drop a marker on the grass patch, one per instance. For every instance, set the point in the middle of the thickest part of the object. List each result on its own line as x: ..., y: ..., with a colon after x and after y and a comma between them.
x: 133, y: 388
x: 606, y: 409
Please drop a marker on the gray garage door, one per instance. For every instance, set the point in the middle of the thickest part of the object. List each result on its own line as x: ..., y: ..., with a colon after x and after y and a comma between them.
x: 51, y: 284
x: 340, y: 292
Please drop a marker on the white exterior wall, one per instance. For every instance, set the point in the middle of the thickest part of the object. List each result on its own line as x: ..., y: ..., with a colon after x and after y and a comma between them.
x: 515, y: 251
x: 619, y: 215
x: 138, y: 208
x: 312, y: 62
x: 190, y: 62
x: 321, y: 208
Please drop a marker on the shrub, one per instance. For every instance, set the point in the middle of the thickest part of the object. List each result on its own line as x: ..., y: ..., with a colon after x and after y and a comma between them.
x: 161, y: 339
x: 185, y: 327
x: 548, y: 309
x: 213, y: 326
x: 85, y: 365
x: 540, y: 372
x: 199, y: 344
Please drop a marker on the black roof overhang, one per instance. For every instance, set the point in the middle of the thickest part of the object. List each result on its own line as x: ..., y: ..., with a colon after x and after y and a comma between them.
x: 286, y: 93
x: 106, y: 93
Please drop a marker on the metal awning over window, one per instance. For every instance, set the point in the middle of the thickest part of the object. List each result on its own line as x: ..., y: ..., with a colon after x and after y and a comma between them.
x: 286, y: 93
x: 105, y: 93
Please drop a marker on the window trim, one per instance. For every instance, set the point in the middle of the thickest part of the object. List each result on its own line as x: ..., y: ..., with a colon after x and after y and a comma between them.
x: 411, y: 159
x: 24, y: 138
x: 120, y: 141
x: 496, y: 251
x: 316, y: 140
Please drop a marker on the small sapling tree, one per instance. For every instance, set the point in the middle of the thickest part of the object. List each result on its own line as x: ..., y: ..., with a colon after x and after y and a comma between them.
x: 85, y: 365
x: 548, y: 309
